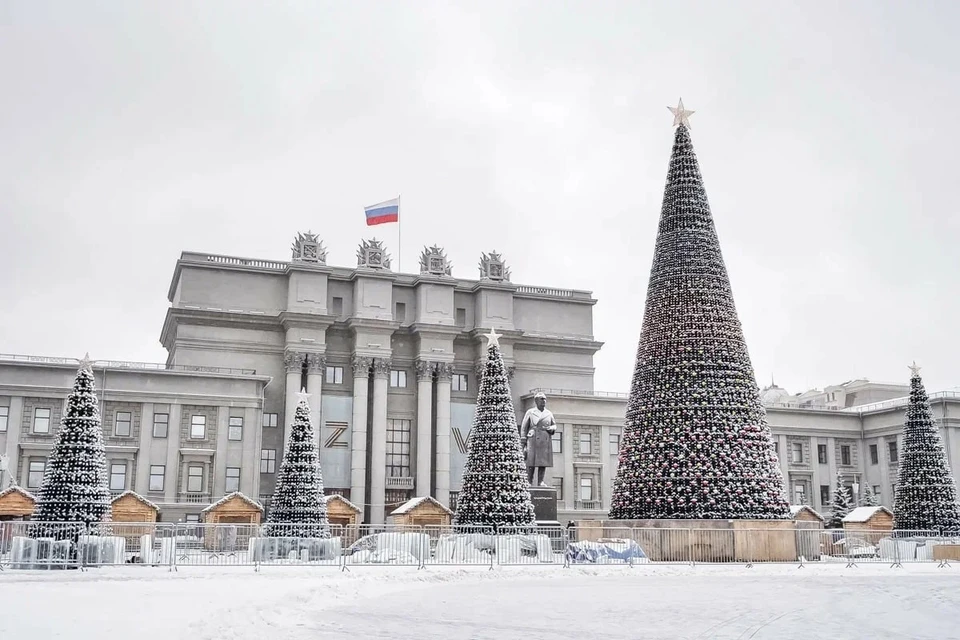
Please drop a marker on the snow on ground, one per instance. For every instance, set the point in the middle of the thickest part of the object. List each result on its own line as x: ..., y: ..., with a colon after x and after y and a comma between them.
x: 527, y: 603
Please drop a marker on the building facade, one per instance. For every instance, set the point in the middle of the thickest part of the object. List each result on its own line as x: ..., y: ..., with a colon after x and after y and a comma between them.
x: 391, y: 364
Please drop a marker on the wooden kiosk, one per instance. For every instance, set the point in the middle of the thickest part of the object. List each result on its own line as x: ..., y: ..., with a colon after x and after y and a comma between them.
x: 341, y: 511
x: 422, y: 511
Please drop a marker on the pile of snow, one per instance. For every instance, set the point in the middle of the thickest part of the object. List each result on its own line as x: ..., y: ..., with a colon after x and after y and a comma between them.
x: 294, y: 549
x: 613, y: 550
x: 481, y: 548
x: 392, y: 547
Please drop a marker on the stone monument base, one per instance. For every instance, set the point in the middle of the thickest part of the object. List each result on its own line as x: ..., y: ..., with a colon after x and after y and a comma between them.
x: 702, y: 540
x: 544, y: 505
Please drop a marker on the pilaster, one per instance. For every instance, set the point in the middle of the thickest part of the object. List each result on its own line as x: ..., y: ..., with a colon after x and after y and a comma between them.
x: 293, y: 363
x: 378, y: 442
x: 316, y: 366
x: 442, y: 463
x: 425, y: 371
x: 358, y: 447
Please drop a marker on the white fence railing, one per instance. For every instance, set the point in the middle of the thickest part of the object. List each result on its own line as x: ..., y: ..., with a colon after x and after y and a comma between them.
x: 35, y: 545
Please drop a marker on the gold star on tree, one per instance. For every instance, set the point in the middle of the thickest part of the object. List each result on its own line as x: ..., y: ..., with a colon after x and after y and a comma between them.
x: 681, y: 116
x: 493, y: 338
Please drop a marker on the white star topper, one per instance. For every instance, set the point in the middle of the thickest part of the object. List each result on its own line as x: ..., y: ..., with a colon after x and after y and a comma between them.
x: 86, y: 364
x: 681, y: 116
x: 303, y: 396
x: 914, y: 369
x: 493, y: 338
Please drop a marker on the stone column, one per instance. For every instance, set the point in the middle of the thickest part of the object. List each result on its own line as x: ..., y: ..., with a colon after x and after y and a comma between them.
x: 378, y: 442
x: 358, y: 437
x: 293, y: 362
x: 425, y: 372
x: 442, y: 464
x: 316, y: 365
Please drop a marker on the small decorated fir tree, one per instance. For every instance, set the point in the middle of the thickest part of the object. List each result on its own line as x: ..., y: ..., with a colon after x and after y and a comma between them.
x: 869, y: 498
x: 74, y: 487
x: 298, y: 505
x: 926, y: 494
x: 696, y: 443
x: 840, y: 505
x: 494, y: 492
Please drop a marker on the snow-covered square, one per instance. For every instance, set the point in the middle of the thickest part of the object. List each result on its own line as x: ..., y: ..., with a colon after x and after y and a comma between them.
x: 646, y: 601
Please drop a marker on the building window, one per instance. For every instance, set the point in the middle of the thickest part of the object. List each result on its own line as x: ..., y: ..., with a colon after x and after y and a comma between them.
x: 121, y: 425
x: 336, y: 306
x: 157, y: 472
x: 586, y: 488
x: 556, y: 441
x: 41, y: 420
x: 398, y: 448
x: 400, y: 312
x: 892, y: 446
x: 118, y: 476
x: 824, y: 494
x: 876, y: 491
x: 586, y: 445
x: 194, y: 479
x: 398, y: 378
x: 270, y: 420
x: 268, y: 460
x: 776, y: 447
x: 461, y: 317
x: 845, y: 454
x: 822, y: 453
x: 796, y: 452
x: 459, y: 382
x: 799, y: 494
x: 558, y: 485
x: 235, y: 430
x: 334, y: 375
x: 35, y: 473
x: 233, y: 479
x: 198, y: 427
x: 614, y: 444
x: 4, y: 417
x: 893, y: 491
x: 161, y: 424
x: 874, y: 454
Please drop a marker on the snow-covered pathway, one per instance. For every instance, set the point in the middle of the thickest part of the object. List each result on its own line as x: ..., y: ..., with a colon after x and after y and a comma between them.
x: 512, y: 602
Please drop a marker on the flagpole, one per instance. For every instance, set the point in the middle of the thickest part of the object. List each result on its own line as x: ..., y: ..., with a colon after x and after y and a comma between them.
x: 399, y: 238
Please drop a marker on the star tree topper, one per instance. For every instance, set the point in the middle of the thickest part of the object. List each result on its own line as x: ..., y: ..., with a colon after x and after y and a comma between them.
x: 86, y: 364
x: 493, y: 338
x: 914, y: 369
x: 681, y: 116
x: 303, y: 396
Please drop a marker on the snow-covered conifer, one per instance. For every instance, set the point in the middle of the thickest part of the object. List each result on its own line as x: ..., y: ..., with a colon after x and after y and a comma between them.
x: 494, y: 491
x: 840, y: 504
x: 298, y: 508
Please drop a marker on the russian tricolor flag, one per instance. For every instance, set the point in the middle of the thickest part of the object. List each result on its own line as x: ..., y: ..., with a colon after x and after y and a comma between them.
x: 388, y: 211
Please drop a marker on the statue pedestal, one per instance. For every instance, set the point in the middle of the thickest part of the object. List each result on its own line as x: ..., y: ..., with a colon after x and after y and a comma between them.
x: 544, y: 505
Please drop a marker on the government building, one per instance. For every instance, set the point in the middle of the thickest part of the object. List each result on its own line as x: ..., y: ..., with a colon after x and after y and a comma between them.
x: 390, y: 362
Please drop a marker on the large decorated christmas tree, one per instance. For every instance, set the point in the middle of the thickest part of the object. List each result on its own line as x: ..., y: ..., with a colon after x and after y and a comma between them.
x: 299, y: 509
x: 926, y: 496
x: 495, y: 491
x: 695, y: 441
x: 74, y: 487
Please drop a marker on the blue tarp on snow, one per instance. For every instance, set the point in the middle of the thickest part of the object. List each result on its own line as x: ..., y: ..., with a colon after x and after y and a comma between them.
x: 594, y: 552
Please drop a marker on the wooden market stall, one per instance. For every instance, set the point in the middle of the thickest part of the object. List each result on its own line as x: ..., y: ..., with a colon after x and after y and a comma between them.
x: 16, y: 503
x: 237, y: 518
x: 804, y: 513
x: 341, y: 511
x: 868, y: 524
x: 422, y: 511
x: 130, y: 506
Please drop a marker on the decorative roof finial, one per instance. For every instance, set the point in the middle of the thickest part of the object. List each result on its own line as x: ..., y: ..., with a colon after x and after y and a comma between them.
x: 307, y: 247
x: 434, y: 261
x: 681, y: 116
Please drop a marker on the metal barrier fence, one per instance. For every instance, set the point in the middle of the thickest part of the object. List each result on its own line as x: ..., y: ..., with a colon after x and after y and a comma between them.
x: 35, y: 545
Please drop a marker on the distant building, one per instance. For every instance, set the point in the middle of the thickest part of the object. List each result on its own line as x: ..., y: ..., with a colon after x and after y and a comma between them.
x: 391, y: 363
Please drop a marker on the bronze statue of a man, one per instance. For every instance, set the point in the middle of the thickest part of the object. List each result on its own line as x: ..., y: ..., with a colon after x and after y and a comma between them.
x: 537, y: 431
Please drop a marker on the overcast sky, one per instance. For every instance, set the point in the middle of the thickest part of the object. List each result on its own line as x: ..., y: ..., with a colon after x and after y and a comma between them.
x: 826, y: 134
